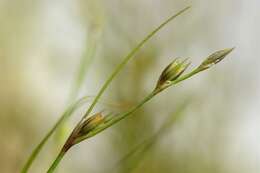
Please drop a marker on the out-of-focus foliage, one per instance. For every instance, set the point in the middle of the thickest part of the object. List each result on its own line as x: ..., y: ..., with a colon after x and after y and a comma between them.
x: 42, y: 42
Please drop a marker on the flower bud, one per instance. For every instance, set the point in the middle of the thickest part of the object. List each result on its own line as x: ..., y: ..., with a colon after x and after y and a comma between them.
x: 214, y: 59
x: 173, y: 71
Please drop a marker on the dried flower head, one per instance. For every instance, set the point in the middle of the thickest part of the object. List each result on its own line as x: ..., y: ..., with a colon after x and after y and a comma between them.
x: 214, y: 59
x: 172, y: 72
x: 83, y: 129
x: 90, y: 123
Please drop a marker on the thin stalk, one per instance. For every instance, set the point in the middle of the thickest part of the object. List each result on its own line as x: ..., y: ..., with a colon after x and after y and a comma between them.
x: 117, y: 118
x: 135, y: 108
x: 63, y: 152
x: 116, y: 71
x: 121, y: 116
x: 77, y: 137
x: 38, y: 148
x: 56, y: 161
x: 186, y: 76
x: 79, y: 79
x: 127, y: 58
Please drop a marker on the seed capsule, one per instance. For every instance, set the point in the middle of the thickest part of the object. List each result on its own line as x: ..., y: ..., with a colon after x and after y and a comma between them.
x: 214, y: 59
x: 173, y: 71
x: 91, y: 123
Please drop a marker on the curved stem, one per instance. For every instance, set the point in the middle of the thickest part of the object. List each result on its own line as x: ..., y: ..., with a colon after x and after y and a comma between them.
x: 79, y: 79
x: 120, y: 67
x: 118, y: 117
x: 135, y: 108
x: 127, y: 58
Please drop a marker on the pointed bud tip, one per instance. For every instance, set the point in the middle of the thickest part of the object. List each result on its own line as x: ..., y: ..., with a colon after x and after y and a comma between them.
x: 215, y: 58
x: 228, y: 50
x: 187, y: 61
x: 173, y: 71
x: 185, y: 64
x: 219, y: 55
x: 92, y: 122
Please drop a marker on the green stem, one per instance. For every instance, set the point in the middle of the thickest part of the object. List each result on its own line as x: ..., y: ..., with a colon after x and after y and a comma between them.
x: 127, y: 58
x: 63, y: 152
x: 135, y: 108
x: 115, y: 120
x: 56, y: 161
x: 186, y: 76
x: 120, y: 67
x: 79, y: 79
x: 64, y: 116
x: 146, y: 99
x: 40, y: 145
x: 118, y: 117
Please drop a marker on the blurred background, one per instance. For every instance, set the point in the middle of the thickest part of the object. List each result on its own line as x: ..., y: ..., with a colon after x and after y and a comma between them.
x: 214, y: 127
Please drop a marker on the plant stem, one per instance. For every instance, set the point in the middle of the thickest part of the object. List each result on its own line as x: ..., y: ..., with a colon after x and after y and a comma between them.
x: 135, y: 108
x: 118, y: 118
x: 40, y: 145
x: 79, y: 79
x: 186, y: 76
x: 56, y: 161
x: 127, y: 58
x: 38, y: 148
x: 117, y: 70
x: 63, y: 152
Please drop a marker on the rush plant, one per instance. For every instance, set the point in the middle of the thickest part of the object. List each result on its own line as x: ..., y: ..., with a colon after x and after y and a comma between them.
x: 173, y: 74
